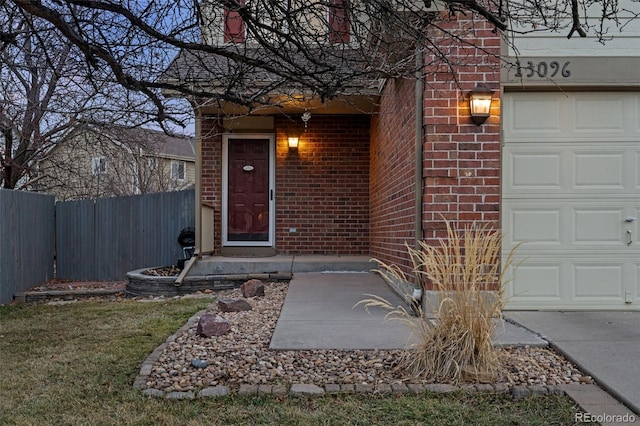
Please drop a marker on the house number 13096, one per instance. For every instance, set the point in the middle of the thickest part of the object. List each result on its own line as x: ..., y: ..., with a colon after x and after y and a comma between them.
x: 543, y: 69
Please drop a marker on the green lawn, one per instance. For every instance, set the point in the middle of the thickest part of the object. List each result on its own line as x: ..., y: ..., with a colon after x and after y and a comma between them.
x: 75, y: 364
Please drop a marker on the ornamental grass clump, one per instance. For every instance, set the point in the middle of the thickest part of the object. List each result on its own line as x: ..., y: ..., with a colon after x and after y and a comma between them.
x: 454, y: 340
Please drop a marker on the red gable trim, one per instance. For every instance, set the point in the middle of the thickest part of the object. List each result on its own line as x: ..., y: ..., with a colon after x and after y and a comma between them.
x: 339, y: 21
x: 234, y: 31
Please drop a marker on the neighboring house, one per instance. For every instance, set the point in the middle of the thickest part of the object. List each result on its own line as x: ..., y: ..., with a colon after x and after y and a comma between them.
x: 556, y: 167
x: 108, y: 160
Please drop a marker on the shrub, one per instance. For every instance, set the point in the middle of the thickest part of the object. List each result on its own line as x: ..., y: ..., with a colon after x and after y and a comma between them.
x: 468, y: 274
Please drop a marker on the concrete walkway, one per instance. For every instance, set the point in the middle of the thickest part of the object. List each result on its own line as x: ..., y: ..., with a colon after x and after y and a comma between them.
x: 319, y: 312
x: 605, y: 345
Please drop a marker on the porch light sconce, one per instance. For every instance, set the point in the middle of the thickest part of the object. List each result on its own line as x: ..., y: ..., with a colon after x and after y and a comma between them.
x: 294, y: 137
x: 293, y: 143
x: 480, y: 104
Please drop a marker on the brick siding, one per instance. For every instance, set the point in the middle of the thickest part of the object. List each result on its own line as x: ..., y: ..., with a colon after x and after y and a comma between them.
x: 322, y: 190
x: 212, y: 171
x: 461, y: 161
x: 393, y: 173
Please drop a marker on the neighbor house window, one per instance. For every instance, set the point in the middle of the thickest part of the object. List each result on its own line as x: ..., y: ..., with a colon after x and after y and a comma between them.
x: 177, y: 170
x: 234, y: 31
x: 99, y: 165
x: 339, y: 22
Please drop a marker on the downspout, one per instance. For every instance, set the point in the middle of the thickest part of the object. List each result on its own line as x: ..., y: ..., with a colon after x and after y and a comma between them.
x: 198, y: 149
x: 198, y: 201
x: 419, y: 137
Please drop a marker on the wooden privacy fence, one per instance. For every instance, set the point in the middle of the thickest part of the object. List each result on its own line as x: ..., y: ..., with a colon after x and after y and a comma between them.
x: 103, y: 239
x: 95, y: 240
x: 26, y: 241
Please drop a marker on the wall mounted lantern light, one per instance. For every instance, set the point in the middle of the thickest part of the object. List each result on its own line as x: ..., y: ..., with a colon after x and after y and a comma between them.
x: 480, y: 104
x: 293, y: 143
x: 294, y: 137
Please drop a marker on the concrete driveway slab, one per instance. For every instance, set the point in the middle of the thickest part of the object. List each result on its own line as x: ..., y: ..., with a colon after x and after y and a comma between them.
x: 605, y: 345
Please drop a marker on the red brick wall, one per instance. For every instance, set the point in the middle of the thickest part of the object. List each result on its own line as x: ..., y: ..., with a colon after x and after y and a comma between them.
x: 392, y: 173
x: 322, y: 190
x: 212, y: 171
x: 461, y: 161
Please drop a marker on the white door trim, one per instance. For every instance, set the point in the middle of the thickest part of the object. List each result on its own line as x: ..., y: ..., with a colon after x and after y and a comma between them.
x: 225, y: 189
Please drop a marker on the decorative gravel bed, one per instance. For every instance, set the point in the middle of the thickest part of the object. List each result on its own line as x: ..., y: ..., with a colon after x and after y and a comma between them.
x: 243, y: 357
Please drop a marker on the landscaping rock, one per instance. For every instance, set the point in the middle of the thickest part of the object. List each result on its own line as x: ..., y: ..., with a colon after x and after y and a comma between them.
x: 199, y: 363
x: 234, y: 305
x: 303, y: 389
x: 153, y: 392
x: 214, y: 391
x: 180, y: 395
x: 399, y: 388
x: 364, y: 388
x: 520, y: 392
x: 212, y: 325
x: 440, y: 388
x: 248, y: 390
x: 332, y: 388
x: 242, y: 358
x: 252, y: 288
x: 279, y: 390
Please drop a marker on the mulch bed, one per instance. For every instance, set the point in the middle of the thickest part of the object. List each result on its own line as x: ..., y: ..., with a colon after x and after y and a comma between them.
x: 67, y: 289
x: 79, y: 286
x: 83, y: 286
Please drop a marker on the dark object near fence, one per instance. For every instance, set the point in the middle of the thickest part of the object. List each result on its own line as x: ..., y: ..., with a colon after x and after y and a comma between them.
x: 187, y: 240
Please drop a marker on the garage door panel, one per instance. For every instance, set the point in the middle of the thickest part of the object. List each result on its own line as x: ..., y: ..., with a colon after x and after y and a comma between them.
x: 536, y: 170
x: 598, y: 226
x: 537, y: 281
x: 571, y: 226
x: 552, y: 282
x: 578, y: 116
x: 636, y: 155
x: 599, y: 113
x: 633, y: 295
x: 535, y: 226
x: 529, y: 169
x: 599, y: 280
x: 598, y: 170
x: 547, y: 111
x: 571, y: 178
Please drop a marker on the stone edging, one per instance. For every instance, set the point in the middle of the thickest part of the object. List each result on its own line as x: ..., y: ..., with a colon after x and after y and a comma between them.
x: 302, y: 389
x: 140, y: 381
x: 40, y: 296
x: 142, y: 285
x: 305, y: 390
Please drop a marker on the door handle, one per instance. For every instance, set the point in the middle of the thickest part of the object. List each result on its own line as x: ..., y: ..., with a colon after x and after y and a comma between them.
x: 630, y: 219
x: 629, y: 240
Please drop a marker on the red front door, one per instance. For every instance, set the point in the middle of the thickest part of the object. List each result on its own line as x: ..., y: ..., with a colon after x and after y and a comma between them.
x: 248, y: 189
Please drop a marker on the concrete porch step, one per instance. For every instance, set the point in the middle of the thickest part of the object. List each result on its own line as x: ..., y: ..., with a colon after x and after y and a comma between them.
x: 280, y: 265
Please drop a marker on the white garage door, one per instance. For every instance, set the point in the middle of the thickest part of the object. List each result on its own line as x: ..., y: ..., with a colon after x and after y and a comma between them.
x: 571, y: 194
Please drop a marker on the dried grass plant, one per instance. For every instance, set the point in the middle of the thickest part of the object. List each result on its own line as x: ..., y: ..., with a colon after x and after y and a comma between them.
x: 467, y: 272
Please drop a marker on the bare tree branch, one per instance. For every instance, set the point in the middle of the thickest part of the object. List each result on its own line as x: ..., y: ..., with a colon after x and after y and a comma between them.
x: 576, y: 26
